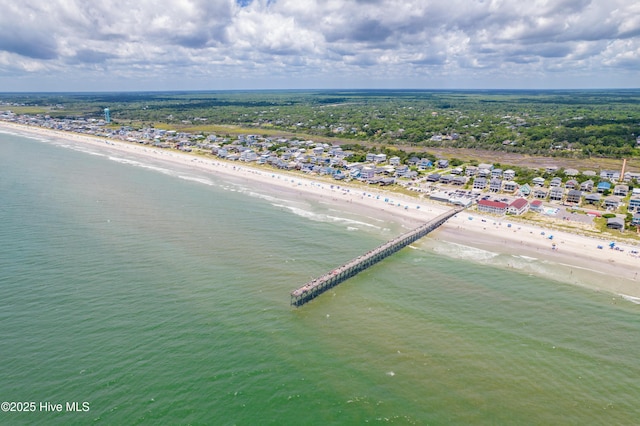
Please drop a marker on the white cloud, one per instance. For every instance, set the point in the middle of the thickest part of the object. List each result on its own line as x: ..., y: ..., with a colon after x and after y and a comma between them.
x: 307, y: 43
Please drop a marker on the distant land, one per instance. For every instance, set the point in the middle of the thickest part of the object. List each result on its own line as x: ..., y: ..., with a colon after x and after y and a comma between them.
x: 568, y: 124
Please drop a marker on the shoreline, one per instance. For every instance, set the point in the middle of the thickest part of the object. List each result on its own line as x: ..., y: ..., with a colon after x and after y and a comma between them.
x: 617, y: 271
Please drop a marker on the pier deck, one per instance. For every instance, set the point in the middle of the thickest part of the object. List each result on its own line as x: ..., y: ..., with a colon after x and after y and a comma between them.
x: 319, y: 285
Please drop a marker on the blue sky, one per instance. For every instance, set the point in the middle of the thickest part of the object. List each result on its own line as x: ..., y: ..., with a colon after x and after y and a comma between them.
x: 75, y: 45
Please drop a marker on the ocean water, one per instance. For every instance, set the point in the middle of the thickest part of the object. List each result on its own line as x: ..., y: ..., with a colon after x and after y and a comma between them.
x: 160, y: 295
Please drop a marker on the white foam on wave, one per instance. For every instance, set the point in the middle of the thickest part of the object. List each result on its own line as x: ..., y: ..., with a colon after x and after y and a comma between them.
x: 374, y: 219
x: 580, y: 268
x: 460, y: 251
x: 86, y: 151
x: 12, y: 133
x: 321, y: 217
x: 142, y: 165
x: 522, y: 256
x: 546, y: 268
x: 196, y: 179
x: 265, y: 197
x: 524, y: 264
x: 631, y: 299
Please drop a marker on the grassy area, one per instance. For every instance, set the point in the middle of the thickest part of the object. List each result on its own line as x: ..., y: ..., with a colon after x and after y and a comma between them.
x: 32, y: 110
x: 221, y: 129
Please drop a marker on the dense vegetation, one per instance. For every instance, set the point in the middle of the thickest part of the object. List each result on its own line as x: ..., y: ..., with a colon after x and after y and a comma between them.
x: 577, y: 124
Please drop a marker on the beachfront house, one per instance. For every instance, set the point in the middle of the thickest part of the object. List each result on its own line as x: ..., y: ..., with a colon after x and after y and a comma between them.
x: 440, y: 196
x: 471, y: 171
x: 386, y: 181
x: 394, y: 161
x: 536, y: 206
x: 574, y: 196
x: 634, y: 204
x: 367, y: 173
x: 571, y: 172
x: 433, y: 177
x: 615, y: 223
x: 496, y: 173
x: 635, y: 220
x: 518, y: 206
x: 492, y: 207
x: 248, y: 155
x: 442, y: 164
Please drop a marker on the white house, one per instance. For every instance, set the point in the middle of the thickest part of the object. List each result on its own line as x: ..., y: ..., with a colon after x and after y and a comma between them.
x: 367, y: 173
x: 248, y: 155
x: 493, y: 207
x: 634, y: 204
x: 508, y: 174
x: 380, y: 158
x: 538, y: 181
x: 518, y: 206
x: 480, y: 183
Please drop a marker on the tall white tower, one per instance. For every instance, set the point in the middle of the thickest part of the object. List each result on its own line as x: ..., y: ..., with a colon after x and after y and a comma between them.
x: 107, y: 115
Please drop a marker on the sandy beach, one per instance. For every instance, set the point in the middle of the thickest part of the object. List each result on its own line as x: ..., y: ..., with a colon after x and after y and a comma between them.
x: 582, y: 261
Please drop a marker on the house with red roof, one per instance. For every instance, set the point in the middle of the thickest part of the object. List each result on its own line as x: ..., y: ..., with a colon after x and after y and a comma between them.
x: 493, y: 207
x: 518, y: 206
x: 536, y: 206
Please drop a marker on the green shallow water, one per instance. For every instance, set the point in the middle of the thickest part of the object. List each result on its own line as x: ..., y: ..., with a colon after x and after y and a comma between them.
x: 161, y: 296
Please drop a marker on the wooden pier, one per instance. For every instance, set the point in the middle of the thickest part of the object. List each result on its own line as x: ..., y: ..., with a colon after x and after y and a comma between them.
x: 319, y: 285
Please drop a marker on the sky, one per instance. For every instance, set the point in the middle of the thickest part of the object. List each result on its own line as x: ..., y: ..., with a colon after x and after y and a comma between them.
x: 148, y: 45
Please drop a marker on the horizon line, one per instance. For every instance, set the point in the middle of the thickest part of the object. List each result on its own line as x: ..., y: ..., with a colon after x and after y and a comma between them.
x: 399, y: 89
